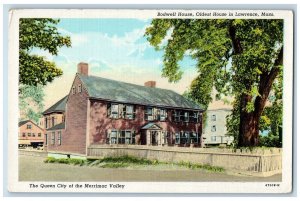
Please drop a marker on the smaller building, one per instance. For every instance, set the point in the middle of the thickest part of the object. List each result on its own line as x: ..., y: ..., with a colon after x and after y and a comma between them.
x: 215, y: 129
x: 55, y: 114
x: 30, y: 134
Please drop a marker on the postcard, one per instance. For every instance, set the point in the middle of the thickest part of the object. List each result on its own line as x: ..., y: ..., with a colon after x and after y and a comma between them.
x: 150, y: 101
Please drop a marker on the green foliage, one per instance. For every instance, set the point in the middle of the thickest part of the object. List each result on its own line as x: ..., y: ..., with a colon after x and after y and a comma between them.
x: 34, y: 70
x: 237, y: 57
x: 200, y: 166
x: 233, y: 122
x: 31, y: 102
x: 126, y: 159
x: 50, y: 160
x: 39, y: 33
x: 71, y: 161
x: 270, y: 141
x: 115, y: 165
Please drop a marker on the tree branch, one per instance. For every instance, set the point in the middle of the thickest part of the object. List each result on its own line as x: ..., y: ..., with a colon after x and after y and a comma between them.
x: 266, y: 81
x: 236, y: 44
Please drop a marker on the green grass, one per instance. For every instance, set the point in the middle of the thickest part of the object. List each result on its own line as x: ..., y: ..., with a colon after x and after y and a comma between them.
x: 71, y: 161
x: 129, y: 161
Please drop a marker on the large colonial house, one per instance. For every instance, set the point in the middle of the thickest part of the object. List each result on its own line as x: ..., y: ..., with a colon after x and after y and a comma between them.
x: 99, y: 111
x: 30, y: 134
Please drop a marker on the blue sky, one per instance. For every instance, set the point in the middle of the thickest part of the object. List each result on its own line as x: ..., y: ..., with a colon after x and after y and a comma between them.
x: 115, y: 49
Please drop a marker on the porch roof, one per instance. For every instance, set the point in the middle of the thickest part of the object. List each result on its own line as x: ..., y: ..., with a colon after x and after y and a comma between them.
x: 151, y: 125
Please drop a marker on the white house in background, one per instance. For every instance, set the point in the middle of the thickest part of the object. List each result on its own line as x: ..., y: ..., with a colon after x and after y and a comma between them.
x: 215, y: 127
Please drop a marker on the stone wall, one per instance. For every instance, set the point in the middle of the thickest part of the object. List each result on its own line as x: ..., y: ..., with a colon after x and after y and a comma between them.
x: 259, y: 162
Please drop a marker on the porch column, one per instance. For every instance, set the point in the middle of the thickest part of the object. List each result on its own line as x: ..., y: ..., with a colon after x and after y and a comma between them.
x: 148, y: 139
x: 160, y: 138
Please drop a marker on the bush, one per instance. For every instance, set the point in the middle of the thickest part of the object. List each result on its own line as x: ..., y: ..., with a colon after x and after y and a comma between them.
x: 270, y: 141
x: 73, y: 161
x: 50, y: 160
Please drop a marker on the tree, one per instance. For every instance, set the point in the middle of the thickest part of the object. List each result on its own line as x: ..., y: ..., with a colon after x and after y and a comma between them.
x: 31, y: 102
x: 241, y: 58
x: 34, y: 70
x: 39, y: 33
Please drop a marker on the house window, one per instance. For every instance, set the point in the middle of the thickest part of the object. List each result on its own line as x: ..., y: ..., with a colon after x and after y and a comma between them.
x: 33, y: 134
x: 184, y: 138
x: 213, y: 117
x: 73, y: 90
x: 53, y: 121
x: 164, y: 137
x: 59, y: 137
x: 193, y: 137
x: 186, y: 116
x: 113, y: 137
x: 213, y: 138
x: 46, y: 123
x: 128, y: 110
x: 46, y: 139
x: 213, y: 129
x: 39, y: 135
x: 121, y: 137
x: 176, y: 115
x: 162, y: 114
x: 149, y: 114
x: 28, y: 126
x: 193, y: 116
x: 79, y: 88
x: 114, y: 111
x: 177, y: 138
x: 23, y: 134
x: 53, y: 138
x: 128, y: 137
x: 29, y: 134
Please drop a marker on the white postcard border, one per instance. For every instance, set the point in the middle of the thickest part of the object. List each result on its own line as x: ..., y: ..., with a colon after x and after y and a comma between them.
x: 149, y: 187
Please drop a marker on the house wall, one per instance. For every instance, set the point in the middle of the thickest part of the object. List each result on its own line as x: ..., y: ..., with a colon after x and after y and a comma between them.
x: 101, y: 124
x: 34, y: 130
x: 58, y: 118
x: 74, y: 135
x: 219, y: 135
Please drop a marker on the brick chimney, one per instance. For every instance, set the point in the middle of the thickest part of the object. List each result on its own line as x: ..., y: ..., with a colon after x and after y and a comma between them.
x: 83, y: 68
x: 150, y: 84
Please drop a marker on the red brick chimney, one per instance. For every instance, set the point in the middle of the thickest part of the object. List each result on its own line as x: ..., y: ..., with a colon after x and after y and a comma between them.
x: 83, y: 68
x: 150, y: 84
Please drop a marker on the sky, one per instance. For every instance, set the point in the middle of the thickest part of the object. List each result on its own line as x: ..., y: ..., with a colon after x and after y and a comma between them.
x: 115, y: 49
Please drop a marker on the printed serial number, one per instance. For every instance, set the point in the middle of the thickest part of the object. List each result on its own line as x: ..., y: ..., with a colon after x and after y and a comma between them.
x: 272, y: 185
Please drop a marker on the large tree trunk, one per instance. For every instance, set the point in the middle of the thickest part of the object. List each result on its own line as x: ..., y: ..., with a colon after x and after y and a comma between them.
x: 249, y: 122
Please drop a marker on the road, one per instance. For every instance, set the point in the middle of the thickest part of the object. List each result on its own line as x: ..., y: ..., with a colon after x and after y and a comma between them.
x: 32, y: 168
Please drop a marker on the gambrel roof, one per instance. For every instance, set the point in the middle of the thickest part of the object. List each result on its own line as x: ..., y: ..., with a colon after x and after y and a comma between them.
x: 116, y: 91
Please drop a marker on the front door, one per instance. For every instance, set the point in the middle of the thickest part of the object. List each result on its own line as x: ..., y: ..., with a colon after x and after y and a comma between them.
x: 154, y: 138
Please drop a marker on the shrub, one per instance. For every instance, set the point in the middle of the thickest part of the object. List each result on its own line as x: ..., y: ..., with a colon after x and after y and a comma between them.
x: 50, y: 160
